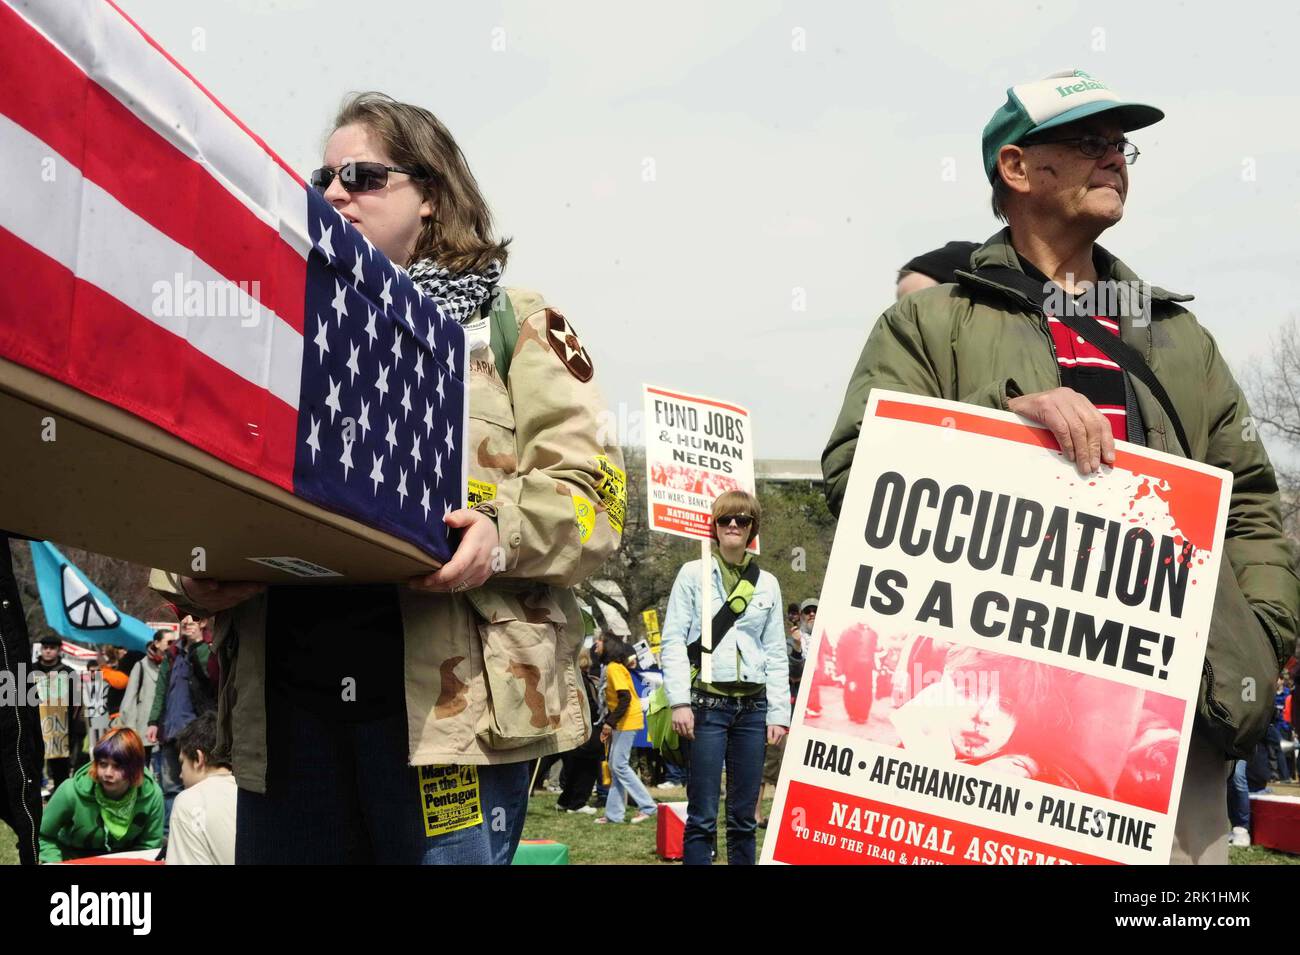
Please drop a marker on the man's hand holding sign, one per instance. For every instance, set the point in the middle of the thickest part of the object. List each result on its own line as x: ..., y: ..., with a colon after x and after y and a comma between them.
x: 1079, y: 428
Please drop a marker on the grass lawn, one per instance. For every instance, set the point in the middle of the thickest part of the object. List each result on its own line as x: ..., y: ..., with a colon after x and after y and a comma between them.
x: 8, y: 846
x: 590, y: 844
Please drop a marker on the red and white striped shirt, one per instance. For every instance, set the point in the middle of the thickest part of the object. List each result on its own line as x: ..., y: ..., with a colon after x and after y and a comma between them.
x: 1085, y: 368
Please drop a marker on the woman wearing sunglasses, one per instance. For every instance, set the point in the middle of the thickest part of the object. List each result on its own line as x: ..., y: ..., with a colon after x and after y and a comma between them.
x: 388, y: 723
x: 746, y: 704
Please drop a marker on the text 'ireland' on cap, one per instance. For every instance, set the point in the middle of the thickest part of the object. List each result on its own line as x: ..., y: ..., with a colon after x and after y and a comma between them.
x: 1054, y: 101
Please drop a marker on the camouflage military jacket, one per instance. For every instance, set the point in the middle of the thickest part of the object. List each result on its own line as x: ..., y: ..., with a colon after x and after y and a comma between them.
x: 492, y: 673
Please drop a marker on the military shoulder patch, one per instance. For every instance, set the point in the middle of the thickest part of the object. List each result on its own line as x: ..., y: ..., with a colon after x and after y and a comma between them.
x: 564, y: 340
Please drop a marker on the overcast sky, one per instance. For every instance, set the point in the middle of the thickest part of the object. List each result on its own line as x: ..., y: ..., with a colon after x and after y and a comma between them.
x: 680, y: 177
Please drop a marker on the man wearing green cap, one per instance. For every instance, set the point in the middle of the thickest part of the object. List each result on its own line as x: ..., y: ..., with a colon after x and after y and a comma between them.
x: 1030, y: 328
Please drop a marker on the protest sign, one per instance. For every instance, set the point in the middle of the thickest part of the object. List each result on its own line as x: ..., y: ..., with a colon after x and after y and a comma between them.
x: 54, y: 731
x: 1009, y: 653
x: 651, y: 620
x: 54, y: 691
x: 696, y: 449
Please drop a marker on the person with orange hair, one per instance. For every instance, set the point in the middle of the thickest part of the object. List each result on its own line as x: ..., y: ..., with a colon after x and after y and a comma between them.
x: 115, y: 666
x: 111, y: 804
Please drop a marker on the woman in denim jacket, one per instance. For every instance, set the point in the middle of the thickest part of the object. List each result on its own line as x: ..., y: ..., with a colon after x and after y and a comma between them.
x: 747, y: 704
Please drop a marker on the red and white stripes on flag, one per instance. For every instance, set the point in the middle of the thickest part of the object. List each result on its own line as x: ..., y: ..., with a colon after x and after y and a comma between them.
x: 76, y: 651
x: 124, y: 173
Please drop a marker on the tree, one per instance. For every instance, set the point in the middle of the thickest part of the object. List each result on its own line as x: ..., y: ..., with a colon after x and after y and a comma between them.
x: 796, y: 537
x: 1273, y: 387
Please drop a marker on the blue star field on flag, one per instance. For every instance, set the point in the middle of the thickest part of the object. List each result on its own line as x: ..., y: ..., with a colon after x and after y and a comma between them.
x: 382, y: 407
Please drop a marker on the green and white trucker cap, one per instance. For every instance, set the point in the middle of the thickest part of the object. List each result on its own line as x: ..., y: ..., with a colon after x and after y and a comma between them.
x: 1054, y: 101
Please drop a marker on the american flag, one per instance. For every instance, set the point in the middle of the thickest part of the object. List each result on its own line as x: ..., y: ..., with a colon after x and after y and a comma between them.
x: 75, y: 651
x: 156, y: 254
x: 381, y: 413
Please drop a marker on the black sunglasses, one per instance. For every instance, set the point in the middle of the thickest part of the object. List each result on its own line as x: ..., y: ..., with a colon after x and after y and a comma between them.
x: 358, y: 176
x: 739, y: 520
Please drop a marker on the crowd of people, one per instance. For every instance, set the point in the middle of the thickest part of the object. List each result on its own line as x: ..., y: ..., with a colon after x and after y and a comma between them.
x: 731, y: 725
x: 1275, y: 760
x: 154, y: 780
x: 136, y: 767
x: 151, y: 774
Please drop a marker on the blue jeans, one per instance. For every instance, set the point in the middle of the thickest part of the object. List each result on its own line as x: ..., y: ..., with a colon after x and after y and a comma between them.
x: 167, y: 770
x: 625, y: 780
x: 1239, y: 796
x: 342, y: 793
x: 734, y: 732
x: 1273, y: 738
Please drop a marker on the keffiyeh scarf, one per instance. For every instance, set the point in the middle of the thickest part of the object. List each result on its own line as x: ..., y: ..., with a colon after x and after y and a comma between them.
x: 459, y: 295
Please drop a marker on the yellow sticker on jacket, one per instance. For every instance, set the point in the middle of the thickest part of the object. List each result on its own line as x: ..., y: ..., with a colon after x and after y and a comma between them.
x: 584, y: 514
x: 450, y: 797
x: 480, y: 491
x: 613, y: 492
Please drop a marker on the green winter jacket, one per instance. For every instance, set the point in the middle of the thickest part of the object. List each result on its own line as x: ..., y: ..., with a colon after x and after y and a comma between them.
x: 199, y: 655
x: 71, y: 826
x: 982, y: 343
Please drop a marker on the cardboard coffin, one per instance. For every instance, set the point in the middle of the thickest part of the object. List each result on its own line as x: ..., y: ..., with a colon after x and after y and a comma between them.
x: 118, y: 485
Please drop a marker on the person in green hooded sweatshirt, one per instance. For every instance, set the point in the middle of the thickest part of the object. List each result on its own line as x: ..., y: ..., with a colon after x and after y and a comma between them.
x: 111, y: 804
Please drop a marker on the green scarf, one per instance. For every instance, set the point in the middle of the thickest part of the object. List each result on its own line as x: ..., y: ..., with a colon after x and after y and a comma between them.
x: 116, y: 813
x: 731, y: 572
x: 730, y: 579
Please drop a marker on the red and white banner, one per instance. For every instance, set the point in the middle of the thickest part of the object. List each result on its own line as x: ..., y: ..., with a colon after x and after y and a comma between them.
x: 76, y: 652
x: 696, y: 449
x: 1008, y: 654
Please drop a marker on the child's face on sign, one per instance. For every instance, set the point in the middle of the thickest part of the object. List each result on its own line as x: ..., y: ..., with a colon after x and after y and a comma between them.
x: 981, y: 725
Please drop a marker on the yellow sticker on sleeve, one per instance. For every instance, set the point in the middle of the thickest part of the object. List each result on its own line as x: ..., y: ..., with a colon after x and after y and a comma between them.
x: 480, y: 491
x: 449, y: 797
x: 613, y: 492
x: 584, y: 514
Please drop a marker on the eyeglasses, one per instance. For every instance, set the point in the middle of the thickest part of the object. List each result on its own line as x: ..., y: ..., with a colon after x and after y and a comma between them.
x: 1094, y: 147
x: 358, y: 176
x: 737, y: 520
